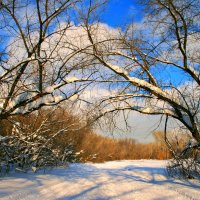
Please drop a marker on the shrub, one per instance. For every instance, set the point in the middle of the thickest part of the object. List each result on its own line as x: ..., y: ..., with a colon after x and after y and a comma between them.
x: 30, y: 143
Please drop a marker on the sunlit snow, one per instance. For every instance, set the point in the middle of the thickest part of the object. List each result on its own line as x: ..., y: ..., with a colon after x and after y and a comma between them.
x: 139, y: 179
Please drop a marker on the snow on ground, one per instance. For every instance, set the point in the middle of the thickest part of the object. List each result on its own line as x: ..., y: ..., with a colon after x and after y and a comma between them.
x: 134, y: 180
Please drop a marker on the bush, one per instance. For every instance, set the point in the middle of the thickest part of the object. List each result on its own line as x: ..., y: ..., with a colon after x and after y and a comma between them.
x: 187, y: 164
x: 30, y: 144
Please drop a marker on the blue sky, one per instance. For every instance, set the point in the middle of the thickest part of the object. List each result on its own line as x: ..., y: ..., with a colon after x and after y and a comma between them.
x: 120, y: 12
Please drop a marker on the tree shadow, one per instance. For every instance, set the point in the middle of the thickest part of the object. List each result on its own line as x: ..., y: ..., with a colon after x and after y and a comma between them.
x: 90, y: 180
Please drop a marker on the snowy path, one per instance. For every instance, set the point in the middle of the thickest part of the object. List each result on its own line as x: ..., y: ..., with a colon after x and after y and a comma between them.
x: 134, y: 180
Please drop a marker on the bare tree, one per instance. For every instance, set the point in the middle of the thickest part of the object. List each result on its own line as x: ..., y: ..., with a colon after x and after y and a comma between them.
x: 36, y: 66
x: 152, y: 67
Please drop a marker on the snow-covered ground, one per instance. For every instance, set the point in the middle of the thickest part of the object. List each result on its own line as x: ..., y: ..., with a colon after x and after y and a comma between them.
x: 139, y: 179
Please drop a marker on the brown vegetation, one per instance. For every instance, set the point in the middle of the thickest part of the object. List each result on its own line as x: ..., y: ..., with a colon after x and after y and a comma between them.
x: 87, y: 145
x: 99, y: 148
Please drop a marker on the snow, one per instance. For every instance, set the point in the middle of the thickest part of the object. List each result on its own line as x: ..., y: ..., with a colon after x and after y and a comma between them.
x: 140, y: 82
x: 49, y: 89
x: 118, y: 69
x: 73, y: 97
x: 139, y: 179
x: 1, y: 104
x: 58, y: 98
x: 71, y: 79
